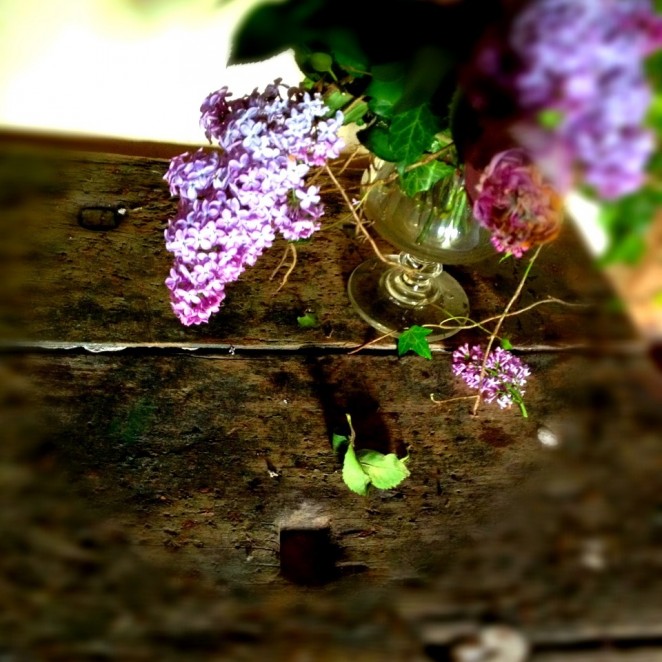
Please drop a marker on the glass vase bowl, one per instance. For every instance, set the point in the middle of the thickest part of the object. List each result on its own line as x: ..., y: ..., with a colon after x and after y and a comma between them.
x: 430, y: 229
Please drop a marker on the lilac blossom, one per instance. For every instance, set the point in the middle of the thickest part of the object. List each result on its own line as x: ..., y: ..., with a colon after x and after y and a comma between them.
x: 515, y: 204
x: 504, y: 379
x: 236, y: 195
x: 580, y: 90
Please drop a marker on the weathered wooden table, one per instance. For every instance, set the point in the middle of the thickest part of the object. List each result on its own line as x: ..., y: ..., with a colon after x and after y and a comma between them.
x: 171, y: 493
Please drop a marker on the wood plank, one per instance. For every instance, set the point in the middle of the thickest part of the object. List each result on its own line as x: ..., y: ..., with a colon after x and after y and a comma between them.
x: 144, y: 517
x: 66, y: 284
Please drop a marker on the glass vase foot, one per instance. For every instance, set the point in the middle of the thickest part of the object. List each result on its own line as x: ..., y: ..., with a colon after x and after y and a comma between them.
x: 369, y: 287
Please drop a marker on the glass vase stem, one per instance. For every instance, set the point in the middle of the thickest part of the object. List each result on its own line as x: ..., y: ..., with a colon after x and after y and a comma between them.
x: 412, y: 283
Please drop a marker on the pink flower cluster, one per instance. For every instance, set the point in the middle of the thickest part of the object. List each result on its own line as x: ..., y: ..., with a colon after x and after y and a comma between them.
x: 505, y: 375
x: 235, y: 197
x: 514, y: 203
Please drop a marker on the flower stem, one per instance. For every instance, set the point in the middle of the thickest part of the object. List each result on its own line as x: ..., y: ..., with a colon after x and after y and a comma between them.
x: 497, y: 328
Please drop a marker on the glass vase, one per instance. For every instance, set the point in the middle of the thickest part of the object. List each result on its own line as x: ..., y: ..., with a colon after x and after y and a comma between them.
x: 431, y: 229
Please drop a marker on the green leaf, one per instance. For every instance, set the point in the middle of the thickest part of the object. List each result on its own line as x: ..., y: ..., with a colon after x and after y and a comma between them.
x: 506, y: 344
x: 355, y: 112
x: 336, y: 99
x: 353, y: 474
x: 338, y: 441
x: 383, y: 471
x: 385, y: 89
x: 425, y: 72
x: 412, y: 132
x: 377, y: 140
x: 414, y: 339
x: 347, y: 52
x: 308, y: 320
x: 322, y: 62
x: 424, y: 177
x: 263, y: 33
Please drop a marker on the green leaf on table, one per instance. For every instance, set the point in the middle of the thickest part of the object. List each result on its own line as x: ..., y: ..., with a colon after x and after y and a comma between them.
x: 308, y: 320
x: 383, y: 471
x: 414, y: 339
x: 353, y: 474
x: 424, y: 177
x: 412, y: 132
x: 367, y: 467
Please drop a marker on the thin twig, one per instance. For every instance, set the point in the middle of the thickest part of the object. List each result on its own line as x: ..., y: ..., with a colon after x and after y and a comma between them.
x: 443, y: 402
x: 290, y: 248
x: 371, y: 342
x: 497, y: 328
x: 357, y: 218
x: 349, y: 160
x: 479, y: 325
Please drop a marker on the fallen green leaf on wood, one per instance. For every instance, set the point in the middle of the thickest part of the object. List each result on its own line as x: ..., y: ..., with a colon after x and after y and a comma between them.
x: 414, y: 340
x: 367, y: 467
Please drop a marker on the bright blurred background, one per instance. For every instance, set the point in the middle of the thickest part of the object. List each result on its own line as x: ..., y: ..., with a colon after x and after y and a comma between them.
x: 135, y: 69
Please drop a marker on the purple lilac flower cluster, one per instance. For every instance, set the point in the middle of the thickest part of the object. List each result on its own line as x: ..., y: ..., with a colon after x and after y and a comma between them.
x: 505, y: 375
x: 235, y: 197
x: 514, y: 203
x: 581, y: 89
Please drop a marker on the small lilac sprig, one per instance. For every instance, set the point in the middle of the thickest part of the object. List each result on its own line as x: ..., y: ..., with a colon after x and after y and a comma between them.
x: 503, y: 378
x: 234, y: 198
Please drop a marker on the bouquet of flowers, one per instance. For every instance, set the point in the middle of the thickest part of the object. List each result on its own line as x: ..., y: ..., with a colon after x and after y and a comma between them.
x: 529, y: 98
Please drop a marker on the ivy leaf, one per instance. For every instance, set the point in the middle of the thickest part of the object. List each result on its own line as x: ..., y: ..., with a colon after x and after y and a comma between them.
x: 353, y: 473
x: 383, y: 471
x: 376, y: 139
x: 412, y: 132
x: 414, y: 340
x: 385, y: 88
x: 424, y: 177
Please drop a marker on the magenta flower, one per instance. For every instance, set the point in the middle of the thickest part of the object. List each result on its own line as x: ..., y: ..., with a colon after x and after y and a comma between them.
x: 515, y: 204
x: 504, y: 379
